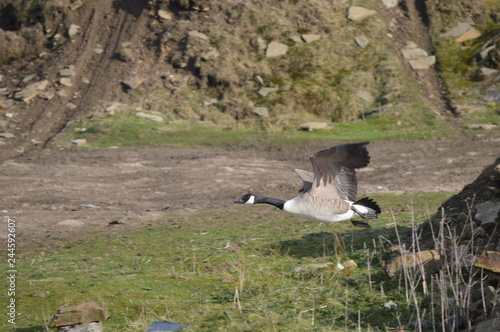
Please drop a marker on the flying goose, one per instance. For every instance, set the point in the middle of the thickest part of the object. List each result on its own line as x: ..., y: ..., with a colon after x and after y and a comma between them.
x: 328, y: 194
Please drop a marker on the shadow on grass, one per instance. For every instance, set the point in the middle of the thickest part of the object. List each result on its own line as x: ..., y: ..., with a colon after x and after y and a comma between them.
x: 330, y: 243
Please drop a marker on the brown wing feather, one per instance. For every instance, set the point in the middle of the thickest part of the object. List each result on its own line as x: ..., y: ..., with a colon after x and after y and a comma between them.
x: 334, y: 170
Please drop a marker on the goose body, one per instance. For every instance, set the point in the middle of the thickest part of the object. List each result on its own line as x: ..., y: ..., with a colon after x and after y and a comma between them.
x: 329, y: 193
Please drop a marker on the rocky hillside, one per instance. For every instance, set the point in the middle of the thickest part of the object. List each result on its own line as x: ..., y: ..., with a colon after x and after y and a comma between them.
x: 242, y: 63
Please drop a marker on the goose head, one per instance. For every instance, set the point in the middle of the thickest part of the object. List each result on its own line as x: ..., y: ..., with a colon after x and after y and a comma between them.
x: 246, y: 199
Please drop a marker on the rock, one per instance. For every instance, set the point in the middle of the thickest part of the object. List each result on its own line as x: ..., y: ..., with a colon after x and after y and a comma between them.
x: 459, y: 30
x: 73, y: 30
x: 89, y: 327
x: 350, y: 264
x: 163, y: 14
x: 423, y: 63
x: 310, y: 38
x: 75, y: 5
x: 276, y: 49
x: 492, y: 325
x: 488, y: 71
x: 31, y: 91
x: 261, y: 111
x: 481, y: 126
x: 356, y: 13
x: 197, y: 35
x: 133, y: 83
x: 429, y: 260
x: 414, y: 53
x: 366, y: 96
x: 472, y: 33
x: 492, y: 96
x: 310, y: 126
x: 487, y: 213
x: 28, y: 78
x: 4, y: 124
x: 150, y: 116
x: 79, y: 314
x: 125, y: 55
x: 362, y: 41
x: 79, y: 142
x: 65, y: 81
x: 6, y: 135
x: 47, y: 95
x: 265, y: 91
x: 165, y: 326
x: 490, y: 260
x: 6, y: 103
x: 212, y: 54
x: 67, y: 72
x: 85, y: 80
x: 390, y: 3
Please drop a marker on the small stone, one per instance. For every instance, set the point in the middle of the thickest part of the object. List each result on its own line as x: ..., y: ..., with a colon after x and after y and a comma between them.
x: 89, y: 327
x: 428, y: 260
x: 423, y: 63
x: 48, y: 95
x: 276, y: 49
x: 66, y: 81
x: 165, y: 15
x: 28, y: 78
x: 481, y: 126
x: 212, y: 54
x: 414, y: 53
x: 73, y: 30
x: 34, y: 141
x: 310, y: 38
x: 126, y: 55
x: 490, y: 260
x: 71, y: 106
x: 487, y: 213
x: 366, y: 96
x: 7, y: 135
x: 98, y: 50
x: 31, y: 91
x: 265, y: 91
x: 468, y: 35
x: 197, y: 35
x: 79, y: 314
x: 6, y: 103
x: 133, y: 83
x: 67, y: 72
x: 150, y: 116
x: 310, y: 126
x: 488, y: 71
x: 350, y: 264
x: 79, y: 142
x: 75, y: 5
x: 390, y: 3
x: 261, y: 111
x: 356, y: 13
x: 362, y: 41
x: 459, y: 30
x: 85, y: 80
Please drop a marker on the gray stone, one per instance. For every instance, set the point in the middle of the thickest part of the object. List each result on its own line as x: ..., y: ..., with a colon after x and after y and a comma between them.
x: 65, y: 81
x: 28, y: 78
x: 67, y: 72
x: 75, y: 5
x: 47, y: 95
x: 423, y: 261
x: 165, y: 326
x: 154, y: 117
x: 492, y: 96
x: 310, y: 38
x: 265, y: 91
x: 484, y: 54
x: 459, y: 30
x: 414, y: 53
x: 89, y: 327
x: 165, y: 15
x: 488, y: 71
x: 31, y: 91
x: 79, y: 314
x: 390, y: 3
x: 487, y: 213
x: 276, y: 49
x: 261, y: 111
x: 73, y: 30
x: 211, y: 54
x: 6, y: 135
x: 366, y: 96
x: 362, y: 41
x: 423, y: 63
x: 492, y: 325
x: 356, y: 13
x: 71, y: 222
x: 197, y: 35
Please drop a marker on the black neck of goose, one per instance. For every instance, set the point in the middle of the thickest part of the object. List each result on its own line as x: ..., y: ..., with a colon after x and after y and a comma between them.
x: 269, y: 200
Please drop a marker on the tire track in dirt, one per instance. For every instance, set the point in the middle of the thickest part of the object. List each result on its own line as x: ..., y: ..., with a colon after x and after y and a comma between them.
x: 411, y: 23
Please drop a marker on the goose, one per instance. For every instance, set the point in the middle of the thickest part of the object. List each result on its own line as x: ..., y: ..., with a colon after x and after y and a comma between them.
x: 329, y: 193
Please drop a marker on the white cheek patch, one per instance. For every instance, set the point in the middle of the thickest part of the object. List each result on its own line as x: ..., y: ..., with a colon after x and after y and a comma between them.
x: 251, y: 200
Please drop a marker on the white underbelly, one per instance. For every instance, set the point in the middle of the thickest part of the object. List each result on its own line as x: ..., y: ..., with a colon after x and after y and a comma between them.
x: 319, y: 212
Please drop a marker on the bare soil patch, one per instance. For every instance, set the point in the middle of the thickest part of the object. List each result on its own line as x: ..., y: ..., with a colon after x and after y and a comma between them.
x: 55, y: 195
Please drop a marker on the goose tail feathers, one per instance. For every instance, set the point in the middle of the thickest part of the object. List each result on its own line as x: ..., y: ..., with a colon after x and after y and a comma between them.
x: 366, y: 208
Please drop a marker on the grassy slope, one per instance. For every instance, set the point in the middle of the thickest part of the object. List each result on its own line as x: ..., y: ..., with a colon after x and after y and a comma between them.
x: 237, y: 269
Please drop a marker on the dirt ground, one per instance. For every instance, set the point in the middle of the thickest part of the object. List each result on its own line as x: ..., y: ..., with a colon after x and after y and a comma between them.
x: 56, y: 194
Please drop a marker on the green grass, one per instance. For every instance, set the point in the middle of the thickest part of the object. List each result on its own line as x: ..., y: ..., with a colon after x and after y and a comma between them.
x: 126, y: 129
x: 240, y: 268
